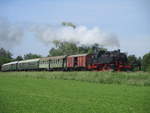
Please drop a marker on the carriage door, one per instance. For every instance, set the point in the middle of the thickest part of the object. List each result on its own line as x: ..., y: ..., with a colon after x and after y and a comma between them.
x: 75, y: 61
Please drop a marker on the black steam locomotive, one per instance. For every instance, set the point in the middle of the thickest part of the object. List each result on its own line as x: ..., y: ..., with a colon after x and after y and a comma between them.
x: 111, y: 60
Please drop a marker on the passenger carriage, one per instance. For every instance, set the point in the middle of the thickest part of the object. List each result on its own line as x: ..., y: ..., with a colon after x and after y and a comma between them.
x: 53, y: 63
x: 31, y: 64
x: 12, y: 66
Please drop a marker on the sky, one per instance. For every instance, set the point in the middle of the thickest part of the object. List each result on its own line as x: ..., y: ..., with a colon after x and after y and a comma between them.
x: 126, y: 19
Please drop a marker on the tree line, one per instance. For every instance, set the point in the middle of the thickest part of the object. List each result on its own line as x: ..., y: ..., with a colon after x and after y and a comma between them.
x: 6, y: 56
x: 69, y: 48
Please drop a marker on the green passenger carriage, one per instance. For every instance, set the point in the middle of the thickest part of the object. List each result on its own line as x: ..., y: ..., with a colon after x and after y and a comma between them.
x: 44, y: 63
x: 32, y: 64
x: 12, y: 66
x: 53, y: 63
x: 5, y: 67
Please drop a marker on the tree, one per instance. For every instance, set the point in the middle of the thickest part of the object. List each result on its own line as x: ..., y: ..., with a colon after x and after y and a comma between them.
x: 55, y: 52
x: 31, y: 56
x: 96, y: 48
x: 132, y: 60
x: 139, y: 63
x: 5, y: 56
x: 135, y: 62
x: 5, y: 53
x: 63, y: 48
x: 146, y: 62
x: 70, y: 48
x: 18, y: 58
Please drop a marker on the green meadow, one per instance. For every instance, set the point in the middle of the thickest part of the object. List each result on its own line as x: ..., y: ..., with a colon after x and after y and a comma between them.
x: 74, y: 92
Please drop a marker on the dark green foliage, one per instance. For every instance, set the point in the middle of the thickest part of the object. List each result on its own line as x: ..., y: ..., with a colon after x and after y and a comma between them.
x: 63, y: 48
x: 19, y: 58
x: 132, y: 60
x: 31, y: 56
x: 135, y: 62
x: 5, y: 53
x: 71, y: 48
x: 4, y: 60
x: 5, y: 57
x: 139, y: 63
x: 22, y: 93
x: 146, y: 62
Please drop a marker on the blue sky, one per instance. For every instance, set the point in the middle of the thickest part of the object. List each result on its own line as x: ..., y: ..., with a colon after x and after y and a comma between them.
x: 128, y: 19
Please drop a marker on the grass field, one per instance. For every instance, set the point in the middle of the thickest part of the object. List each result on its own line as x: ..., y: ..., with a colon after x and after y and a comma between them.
x: 62, y: 92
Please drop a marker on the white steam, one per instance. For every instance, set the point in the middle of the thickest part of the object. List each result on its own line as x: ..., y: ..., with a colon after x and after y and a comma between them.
x: 10, y: 34
x: 81, y: 35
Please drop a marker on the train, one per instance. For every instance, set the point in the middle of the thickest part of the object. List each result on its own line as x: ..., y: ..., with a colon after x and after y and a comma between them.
x: 100, y: 61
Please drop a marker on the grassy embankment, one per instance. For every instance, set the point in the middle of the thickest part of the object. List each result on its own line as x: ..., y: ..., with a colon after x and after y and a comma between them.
x: 131, y: 78
x: 50, y: 92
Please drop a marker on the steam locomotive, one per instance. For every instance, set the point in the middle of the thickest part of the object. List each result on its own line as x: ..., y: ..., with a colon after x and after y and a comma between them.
x: 102, y: 60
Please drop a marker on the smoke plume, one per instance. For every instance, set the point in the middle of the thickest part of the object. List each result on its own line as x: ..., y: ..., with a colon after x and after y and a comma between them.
x: 80, y: 35
x: 10, y: 34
